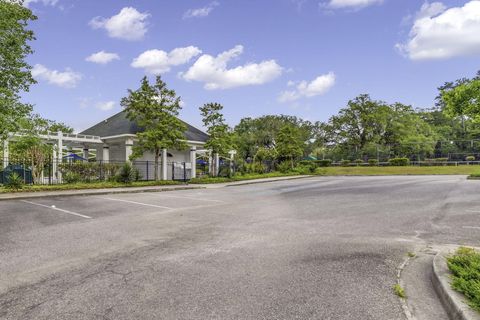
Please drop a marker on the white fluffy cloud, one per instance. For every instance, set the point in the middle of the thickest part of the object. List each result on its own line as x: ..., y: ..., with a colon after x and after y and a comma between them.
x: 214, y: 73
x: 319, y: 86
x: 105, y: 106
x: 44, y: 2
x: 102, y: 57
x: 201, y: 12
x: 158, y: 61
x: 351, y: 4
x: 441, y: 33
x: 65, y: 79
x: 128, y: 24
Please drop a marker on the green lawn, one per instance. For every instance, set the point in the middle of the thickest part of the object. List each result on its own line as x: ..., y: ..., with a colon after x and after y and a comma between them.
x: 208, y: 180
x: 465, y: 266
x: 409, y: 170
x: 92, y: 185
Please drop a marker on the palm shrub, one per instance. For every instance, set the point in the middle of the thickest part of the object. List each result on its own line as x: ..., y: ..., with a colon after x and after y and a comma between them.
x: 127, y: 173
x: 14, y: 182
x: 284, y: 167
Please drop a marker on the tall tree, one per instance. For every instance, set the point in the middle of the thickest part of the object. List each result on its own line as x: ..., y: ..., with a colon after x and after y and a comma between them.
x: 289, y: 143
x: 220, y: 137
x: 155, y: 109
x: 463, y: 100
x: 15, y: 75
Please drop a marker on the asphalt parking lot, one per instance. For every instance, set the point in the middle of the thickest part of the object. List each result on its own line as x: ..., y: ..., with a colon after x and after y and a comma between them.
x: 318, y: 248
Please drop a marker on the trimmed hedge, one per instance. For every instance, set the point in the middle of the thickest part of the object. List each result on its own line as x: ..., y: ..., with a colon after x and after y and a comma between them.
x: 324, y: 163
x: 399, y: 162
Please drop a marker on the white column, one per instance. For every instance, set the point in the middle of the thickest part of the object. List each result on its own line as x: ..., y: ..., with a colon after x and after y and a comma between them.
x: 6, y: 154
x: 164, y: 171
x: 216, y: 158
x: 59, y: 155
x: 54, y: 161
x: 85, y: 154
x: 210, y: 163
x: 193, y: 160
x: 128, y: 149
x: 106, y: 154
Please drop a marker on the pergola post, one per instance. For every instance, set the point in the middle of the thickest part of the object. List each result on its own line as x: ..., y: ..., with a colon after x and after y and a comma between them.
x: 59, y: 155
x: 193, y: 161
x: 85, y: 154
x: 128, y: 149
x: 106, y: 154
x: 6, y: 153
x: 216, y: 159
x: 164, y: 171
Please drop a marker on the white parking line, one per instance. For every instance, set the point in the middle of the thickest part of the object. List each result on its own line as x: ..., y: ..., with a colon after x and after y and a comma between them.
x: 474, y: 211
x: 56, y: 209
x: 138, y: 203
x: 470, y: 227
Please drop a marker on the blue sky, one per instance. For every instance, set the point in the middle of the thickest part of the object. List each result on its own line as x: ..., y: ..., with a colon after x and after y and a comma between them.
x: 298, y: 57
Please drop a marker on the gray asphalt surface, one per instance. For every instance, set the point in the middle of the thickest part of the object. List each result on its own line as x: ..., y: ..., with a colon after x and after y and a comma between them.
x: 319, y: 248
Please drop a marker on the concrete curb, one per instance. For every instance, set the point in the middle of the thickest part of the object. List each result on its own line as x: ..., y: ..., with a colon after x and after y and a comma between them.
x: 87, y: 192
x: 247, y: 182
x: 452, y: 301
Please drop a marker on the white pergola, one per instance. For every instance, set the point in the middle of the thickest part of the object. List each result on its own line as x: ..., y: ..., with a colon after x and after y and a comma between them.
x: 59, y: 140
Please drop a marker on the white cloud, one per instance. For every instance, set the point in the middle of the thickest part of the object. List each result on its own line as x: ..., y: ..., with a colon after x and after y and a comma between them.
x: 441, y: 33
x: 319, y: 86
x: 214, y: 73
x: 128, y: 24
x: 105, y: 106
x: 65, y: 79
x: 201, y: 12
x: 44, y: 2
x: 351, y: 4
x: 102, y: 57
x: 158, y: 61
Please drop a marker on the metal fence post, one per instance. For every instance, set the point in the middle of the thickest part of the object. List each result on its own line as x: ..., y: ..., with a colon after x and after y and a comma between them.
x: 184, y: 172
x: 148, y: 179
x: 173, y: 170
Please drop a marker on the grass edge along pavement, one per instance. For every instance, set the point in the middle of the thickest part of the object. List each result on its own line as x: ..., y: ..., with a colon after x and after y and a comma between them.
x: 465, y: 267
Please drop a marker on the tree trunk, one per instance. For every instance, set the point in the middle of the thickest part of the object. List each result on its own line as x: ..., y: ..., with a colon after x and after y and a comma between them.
x: 157, y: 157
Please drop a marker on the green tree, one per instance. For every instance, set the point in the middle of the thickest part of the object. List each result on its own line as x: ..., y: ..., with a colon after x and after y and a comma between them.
x: 155, y: 109
x: 15, y: 75
x: 289, y: 143
x: 463, y: 100
x: 220, y: 138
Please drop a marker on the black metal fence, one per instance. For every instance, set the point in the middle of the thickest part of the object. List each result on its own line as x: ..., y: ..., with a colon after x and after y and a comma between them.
x: 56, y: 172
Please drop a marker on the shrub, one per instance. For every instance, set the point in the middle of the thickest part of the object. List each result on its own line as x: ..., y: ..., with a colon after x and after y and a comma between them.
x: 14, y: 182
x: 465, y: 266
x: 345, y: 163
x: 311, y: 165
x: 441, y: 159
x: 255, y: 167
x: 284, y: 167
x: 470, y: 158
x: 127, y: 173
x: 373, y: 162
x: 72, y: 177
x: 359, y: 162
x: 304, y: 169
x: 324, y: 163
x: 399, y: 162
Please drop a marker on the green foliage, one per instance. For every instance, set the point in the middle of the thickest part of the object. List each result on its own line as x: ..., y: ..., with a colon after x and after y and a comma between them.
x: 87, y: 171
x: 399, y: 291
x: 470, y: 158
x: 127, y: 174
x: 255, y: 167
x: 372, y: 162
x: 284, y: 167
x: 14, y: 182
x: 359, y: 162
x: 289, y: 143
x: 324, y: 163
x: 155, y: 108
x: 266, y: 154
x: 15, y: 75
x: 345, y: 163
x: 463, y: 99
x: 465, y: 266
x: 220, y: 138
x: 399, y: 162
x: 72, y: 177
x: 305, y: 169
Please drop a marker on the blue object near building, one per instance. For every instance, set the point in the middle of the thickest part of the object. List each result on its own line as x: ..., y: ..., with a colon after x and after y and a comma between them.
x: 23, y: 172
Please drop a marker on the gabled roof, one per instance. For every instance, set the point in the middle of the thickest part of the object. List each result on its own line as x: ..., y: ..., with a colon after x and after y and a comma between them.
x: 118, y: 124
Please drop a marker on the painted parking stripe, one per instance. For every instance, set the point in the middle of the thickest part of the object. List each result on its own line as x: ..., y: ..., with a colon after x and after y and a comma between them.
x: 56, y: 209
x: 137, y: 203
x: 470, y: 227
x: 474, y: 211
